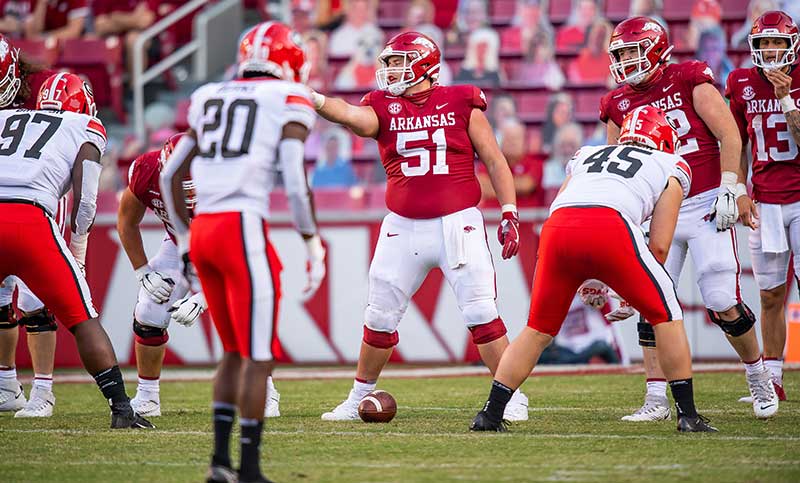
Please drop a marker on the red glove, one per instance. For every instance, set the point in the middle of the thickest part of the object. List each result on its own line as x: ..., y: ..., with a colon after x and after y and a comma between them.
x: 508, y: 234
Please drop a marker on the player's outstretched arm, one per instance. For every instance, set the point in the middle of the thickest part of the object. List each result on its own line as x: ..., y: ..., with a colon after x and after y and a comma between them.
x: 665, y: 217
x: 85, y: 182
x: 175, y: 170
x: 130, y: 215
x: 362, y: 120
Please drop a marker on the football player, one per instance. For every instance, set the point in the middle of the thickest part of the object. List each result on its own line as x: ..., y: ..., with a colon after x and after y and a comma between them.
x: 640, y: 51
x: 46, y: 153
x: 593, y: 233
x: 763, y: 100
x: 428, y: 137
x: 241, y: 132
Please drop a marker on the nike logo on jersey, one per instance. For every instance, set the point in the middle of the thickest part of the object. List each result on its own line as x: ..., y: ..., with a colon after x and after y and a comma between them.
x: 618, y: 95
x: 797, y: 89
x: 668, y: 87
x: 441, y: 106
x: 744, y: 80
x: 389, y: 235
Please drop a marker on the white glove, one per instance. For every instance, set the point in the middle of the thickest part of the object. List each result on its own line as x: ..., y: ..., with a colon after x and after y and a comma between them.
x: 315, y: 266
x: 187, y: 310
x: 725, y: 209
x: 593, y: 293
x: 622, y: 312
x: 157, y: 285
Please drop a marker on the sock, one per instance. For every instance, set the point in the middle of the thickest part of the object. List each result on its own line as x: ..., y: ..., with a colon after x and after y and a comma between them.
x: 148, y: 385
x: 249, y: 467
x: 754, y: 367
x: 683, y: 393
x: 43, y: 382
x: 361, y: 388
x: 775, y: 367
x: 657, y: 388
x: 111, y: 385
x: 498, y: 399
x: 8, y: 374
x: 224, y: 415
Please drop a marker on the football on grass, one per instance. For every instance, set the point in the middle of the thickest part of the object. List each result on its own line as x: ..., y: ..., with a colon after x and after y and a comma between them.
x: 377, y: 407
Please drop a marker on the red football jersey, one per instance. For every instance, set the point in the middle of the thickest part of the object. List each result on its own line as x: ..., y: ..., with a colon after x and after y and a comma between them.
x: 758, y: 113
x: 427, y: 152
x: 672, y: 92
x: 143, y: 183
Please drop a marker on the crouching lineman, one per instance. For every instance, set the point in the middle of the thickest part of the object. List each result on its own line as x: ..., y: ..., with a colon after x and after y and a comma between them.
x: 593, y: 232
x: 50, y: 150
x: 242, y: 131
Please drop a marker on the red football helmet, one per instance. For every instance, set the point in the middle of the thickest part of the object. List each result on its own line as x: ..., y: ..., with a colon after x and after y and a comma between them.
x: 188, y: 184
x: 652, y: 45
x: 9, y: 72
x: 774, y: 24
x: 275, y: 49
x: 649, y: 126
x: 66, y: 92
x: 421, y: 60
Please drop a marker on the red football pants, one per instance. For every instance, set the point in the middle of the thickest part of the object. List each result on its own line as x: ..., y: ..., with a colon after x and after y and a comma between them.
x: 597, y: 242
x: 31, y: 247
x: 240, y: 274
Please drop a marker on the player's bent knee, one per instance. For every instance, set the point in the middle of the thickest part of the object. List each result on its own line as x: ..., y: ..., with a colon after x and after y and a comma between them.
x: 720, y: 300
x: 8, y: 319
x: 740, y: 325
x: 647, y: 336
x: 380, y: 340
x: 40, y: 321
x: 479, y: 312
x: 149, y: 336
x: 488, y: 332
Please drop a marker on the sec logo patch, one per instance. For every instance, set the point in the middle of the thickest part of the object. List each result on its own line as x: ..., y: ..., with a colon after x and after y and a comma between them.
x: 395, y: 108
x: 624, y: 105
x: 748, y: 93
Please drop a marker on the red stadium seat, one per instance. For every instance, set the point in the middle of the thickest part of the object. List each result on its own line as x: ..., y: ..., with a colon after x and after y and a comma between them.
x: 587, y: 104
x: 101, y: 61
x: 559, y: 11
x: 734, y: 9
x: 617, y: 10
x: 502, y: 11
x: 532, y: 105
x: 678, y: 9
x: 44, y: 52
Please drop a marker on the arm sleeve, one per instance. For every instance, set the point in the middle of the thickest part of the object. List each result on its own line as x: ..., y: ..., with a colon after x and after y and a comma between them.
x: 87, y: 205
x: 683, y: 173
x: 291, y: 154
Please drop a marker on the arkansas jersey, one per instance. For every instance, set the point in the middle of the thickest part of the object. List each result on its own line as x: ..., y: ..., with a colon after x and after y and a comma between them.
x: 758, y: 113
x: 35, y: 164
x: 671, y: 90
x: 143, y: 183
x: 426, y: 150
x: 239, y: 124
x: 629, y: 179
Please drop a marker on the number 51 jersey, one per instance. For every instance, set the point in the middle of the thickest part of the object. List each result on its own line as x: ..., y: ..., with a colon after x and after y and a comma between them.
x: 629, y: 179
x: 38, y: 150
x: 239, y: 125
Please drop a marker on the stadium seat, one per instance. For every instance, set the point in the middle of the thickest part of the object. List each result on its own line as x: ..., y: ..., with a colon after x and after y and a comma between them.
x: 101, y: 61
x: 587, y: 103
x: 678, y: 10
x: 559, y: 11
x: 41, y: 51
x: 617, y: 10
x: 532, y: 105
x: 734, y: 9
x: 502, y: 11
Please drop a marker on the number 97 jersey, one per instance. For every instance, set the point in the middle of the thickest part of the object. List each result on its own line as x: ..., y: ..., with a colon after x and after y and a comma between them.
x: 629, y: 179
x: 239, y: 125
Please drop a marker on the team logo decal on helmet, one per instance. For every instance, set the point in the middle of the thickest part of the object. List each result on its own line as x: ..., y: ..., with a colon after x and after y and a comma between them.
x: 649, y: 126
x: 774, y: 24
x: 652, y: 49
x: 420, y: 60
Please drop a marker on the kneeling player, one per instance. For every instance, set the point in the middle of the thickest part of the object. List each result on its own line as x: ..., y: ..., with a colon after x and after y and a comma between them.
x: 593, y: 232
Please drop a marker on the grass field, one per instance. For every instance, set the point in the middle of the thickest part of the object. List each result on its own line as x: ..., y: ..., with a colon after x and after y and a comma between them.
x: 574, y: 434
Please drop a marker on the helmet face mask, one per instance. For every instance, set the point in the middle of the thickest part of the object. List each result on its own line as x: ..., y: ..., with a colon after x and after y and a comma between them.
x: 397, y: 78
x: 9, y: 69
x: 419, y: 60
x: 635, y: 69
x: 774, y: 25
x: 649, y: 39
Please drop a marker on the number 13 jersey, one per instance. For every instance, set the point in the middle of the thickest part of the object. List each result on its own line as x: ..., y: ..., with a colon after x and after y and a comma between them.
x: 426, y: 150
x: 629, y: 179
x: 239, y: 125
x: 38, y: 150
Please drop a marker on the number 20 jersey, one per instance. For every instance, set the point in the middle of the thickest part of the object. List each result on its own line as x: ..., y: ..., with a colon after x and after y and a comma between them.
x: 38, y: 150
x: 758, y: 114
x: 629, y: 179
x: 239, y: 125
x: 427, y: 152
x: 672, y: 91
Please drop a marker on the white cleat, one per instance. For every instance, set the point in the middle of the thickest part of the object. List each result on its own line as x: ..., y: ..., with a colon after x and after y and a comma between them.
x: 746, y: 399
x: 40, y: 405
x: 654, y: 409
x: 517, y: 407
x: 765, y: 399
x: 146, y: 406
x: 12, y: 398
x: 346, y: 411
x: 272, y: 408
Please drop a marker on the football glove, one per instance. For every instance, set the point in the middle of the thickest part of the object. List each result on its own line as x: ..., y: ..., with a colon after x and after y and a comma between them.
x: 187, y: 310
x: 593, y: 293
x: 157, y: 285
x: 508, y: 233
x: 622, y: 312
x: 315, y: 266
x: 725, y: 209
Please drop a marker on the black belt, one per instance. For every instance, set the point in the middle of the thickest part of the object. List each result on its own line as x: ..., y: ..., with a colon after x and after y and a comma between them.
x: 19, y: 201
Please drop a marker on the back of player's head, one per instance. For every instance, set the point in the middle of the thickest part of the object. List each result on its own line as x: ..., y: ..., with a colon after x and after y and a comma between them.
x: 10, y: 81
x: 421, y: 59
x: 651, y: 42
x: 774, y: 25
x: 66, y: 92
x: 274, y: 49
x: 649, y: 126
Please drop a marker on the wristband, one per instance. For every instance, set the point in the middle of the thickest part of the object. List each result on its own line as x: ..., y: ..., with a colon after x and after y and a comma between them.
x: 509, y: 208
x: 741, y: 190
x: 787, y: 104
x: 729, y: 178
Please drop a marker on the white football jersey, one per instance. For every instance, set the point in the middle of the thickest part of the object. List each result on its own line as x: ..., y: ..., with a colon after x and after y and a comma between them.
x: 239, y: 125
x: 38, y: 150
x: 627, y: 178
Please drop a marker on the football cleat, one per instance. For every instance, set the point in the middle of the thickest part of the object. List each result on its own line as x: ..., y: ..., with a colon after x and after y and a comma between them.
x: 653, y: 409
x: 221, y: 474
x: 124, y: 417
x: 149, y: 406
x: 765, y: 399
x: 778, y: 390
x: 346, y: 411
x: 40, y: 404
x: 517, y: 407
x: 12, y: 398
x: 481, y: 422
x: 698, y: 424
x: 272, y: 408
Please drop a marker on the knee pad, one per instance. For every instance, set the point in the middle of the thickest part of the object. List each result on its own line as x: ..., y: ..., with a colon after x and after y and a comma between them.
x: 149, y: 336
x: 8, y: 319
x: 647, y: 336
x: 39, y: 321
x: 480, y: 311
x: 488, y: 332
x: 738, y: 326
x: 380, y: 340
x: 385, y: 307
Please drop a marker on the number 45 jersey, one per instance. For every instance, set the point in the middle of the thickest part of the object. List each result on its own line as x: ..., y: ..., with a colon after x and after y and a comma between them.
x: 629, y: 179
x: 239, y: 125
x: 38, y: 150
